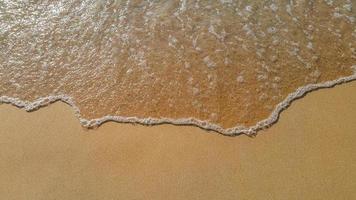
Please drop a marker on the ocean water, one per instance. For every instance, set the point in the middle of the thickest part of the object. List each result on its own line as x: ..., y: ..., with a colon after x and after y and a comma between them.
x: 230, y: 66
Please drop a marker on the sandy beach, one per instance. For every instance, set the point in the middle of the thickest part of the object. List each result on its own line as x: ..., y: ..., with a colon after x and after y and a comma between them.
x: 309, y: 154
x: 224, y: 66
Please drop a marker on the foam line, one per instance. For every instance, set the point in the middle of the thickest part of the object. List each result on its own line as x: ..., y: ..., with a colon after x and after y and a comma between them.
x: 234, y: 131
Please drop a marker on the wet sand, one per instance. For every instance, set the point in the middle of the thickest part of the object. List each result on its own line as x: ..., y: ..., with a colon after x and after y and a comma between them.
x: 309, y: 154
x: 227, y: 64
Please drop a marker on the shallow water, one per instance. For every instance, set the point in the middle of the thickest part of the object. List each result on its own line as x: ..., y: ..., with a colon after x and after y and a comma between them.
x: 226, y: 62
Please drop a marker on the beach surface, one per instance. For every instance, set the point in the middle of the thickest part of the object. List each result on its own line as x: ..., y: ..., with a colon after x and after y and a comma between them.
x: 309, y: 154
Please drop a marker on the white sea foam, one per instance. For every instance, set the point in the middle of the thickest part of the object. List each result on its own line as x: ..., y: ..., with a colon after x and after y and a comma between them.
x: 219, y: 65
x: 234, y: 131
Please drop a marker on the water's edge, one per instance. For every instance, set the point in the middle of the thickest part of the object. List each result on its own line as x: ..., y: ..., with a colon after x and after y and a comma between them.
x: 234, y: 131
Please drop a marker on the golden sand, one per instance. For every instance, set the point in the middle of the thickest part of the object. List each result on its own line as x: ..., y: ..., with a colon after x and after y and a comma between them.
x: 309, y: 154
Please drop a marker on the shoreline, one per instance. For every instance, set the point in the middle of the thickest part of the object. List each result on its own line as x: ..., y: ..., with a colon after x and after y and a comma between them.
x: 309, y: 153
x: 234, y: 131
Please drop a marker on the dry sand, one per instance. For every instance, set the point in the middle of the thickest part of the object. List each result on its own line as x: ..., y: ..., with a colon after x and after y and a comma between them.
x: 309, y: 154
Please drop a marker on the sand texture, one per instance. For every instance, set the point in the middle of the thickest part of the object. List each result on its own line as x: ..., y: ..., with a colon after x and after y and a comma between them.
x: 309, y: 154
